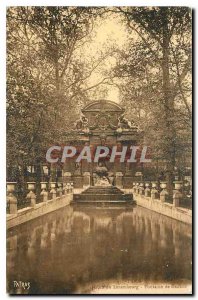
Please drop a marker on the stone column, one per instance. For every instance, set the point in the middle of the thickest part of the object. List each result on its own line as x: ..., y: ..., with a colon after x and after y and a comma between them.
x: 141, y: 188
x: 86, y: 179
x: 44, y: 192
x: 119, y: 180
x: 68, y: 186
x: 154, y: 191
x: 60, y: 189
x: 53, y: 190
x: 64, y: 188
x: 31, y: 195
x: 177, y: 195
x: 147, y: 189
x: 134, y: 184
x: 11, y: 198
x: 164, y: 193
x: 72, y: 187
x: 137, y: 187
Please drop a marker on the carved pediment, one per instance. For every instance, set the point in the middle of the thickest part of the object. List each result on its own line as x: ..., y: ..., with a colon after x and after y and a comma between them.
x: 104, y: 105
x: 102, y: 114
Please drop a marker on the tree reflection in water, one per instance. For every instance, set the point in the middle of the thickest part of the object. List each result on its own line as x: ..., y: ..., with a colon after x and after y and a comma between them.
x: 63, y: 251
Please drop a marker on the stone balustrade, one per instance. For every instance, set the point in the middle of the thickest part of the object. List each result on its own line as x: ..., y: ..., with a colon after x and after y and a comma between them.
x: 154, y: 196
x: 153, y: 191
x: 49, y: 191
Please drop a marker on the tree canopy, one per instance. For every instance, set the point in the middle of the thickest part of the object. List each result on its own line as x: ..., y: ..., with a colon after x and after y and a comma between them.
x: 48, y: 76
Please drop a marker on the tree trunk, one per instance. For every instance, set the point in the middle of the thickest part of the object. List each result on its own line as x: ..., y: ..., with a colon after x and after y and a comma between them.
x: 169, y: 128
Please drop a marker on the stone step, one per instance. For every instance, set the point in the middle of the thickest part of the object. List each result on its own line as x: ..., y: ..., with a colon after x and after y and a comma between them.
x: 103, y: 190
x: 102, y: 202
x: 103, y: 197
x: 100, y: 194
x: 103, y: 186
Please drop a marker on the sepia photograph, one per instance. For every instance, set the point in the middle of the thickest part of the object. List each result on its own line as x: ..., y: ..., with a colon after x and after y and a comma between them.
x: 99, y: 150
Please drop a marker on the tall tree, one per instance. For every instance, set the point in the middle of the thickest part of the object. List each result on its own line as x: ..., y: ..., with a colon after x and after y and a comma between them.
x: 157, y: 66
x: 47, y: 76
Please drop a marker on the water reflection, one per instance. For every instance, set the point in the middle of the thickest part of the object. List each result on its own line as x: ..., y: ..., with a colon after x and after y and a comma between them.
x: 75, y: 246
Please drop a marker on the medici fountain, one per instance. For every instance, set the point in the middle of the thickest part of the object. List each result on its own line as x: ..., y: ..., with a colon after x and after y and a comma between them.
x: 102, y: 123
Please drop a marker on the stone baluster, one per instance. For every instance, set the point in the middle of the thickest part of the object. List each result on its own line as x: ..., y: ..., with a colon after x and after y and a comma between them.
x: 60, y: 189
x: 137, y: 188
x: 72, y: 187
x: 31, y: 195
x: 64, y: 188
x: 67, y: 188
x: 134, y: 183
x: 164, y: 193
x: 53, y: 189
x: 147, y: 189
x: 154, y: 191
x: 141, y: 188
x: 44, y: 192
x: 177, y: 195
x: 11, y: 198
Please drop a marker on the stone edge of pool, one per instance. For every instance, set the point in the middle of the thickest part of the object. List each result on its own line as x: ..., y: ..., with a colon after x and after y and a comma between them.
x: 164, y: 208
x: 29, y: 213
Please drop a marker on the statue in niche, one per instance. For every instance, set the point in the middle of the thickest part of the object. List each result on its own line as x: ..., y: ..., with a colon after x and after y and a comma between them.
x: 82, y: 124
x: 103, y: 139
x: 77, y: 170
x: 101, y: 175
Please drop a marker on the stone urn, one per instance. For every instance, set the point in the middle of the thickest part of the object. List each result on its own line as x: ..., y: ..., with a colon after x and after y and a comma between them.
x: 154, y: 184
x: 31, y: 195
x: 177, y: 195
x: 154, y: 191
x: 43, y: 185
x: 44, y: 192
x: 53, y: 185
x: 60, y: 188
x: 141, y: 188
x: 137, y: 187
x: 53, y: 190
x: 11, y: 186
x: 163, y: 185
x: 71, y: 187
x: 178, y: 185
x: 31, y: 186
x: 11, y: 198
x: 164, y: 193
x: 147, y: 191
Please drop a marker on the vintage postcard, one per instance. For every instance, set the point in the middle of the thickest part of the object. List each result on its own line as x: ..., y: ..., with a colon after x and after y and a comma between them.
x: 99, y: 150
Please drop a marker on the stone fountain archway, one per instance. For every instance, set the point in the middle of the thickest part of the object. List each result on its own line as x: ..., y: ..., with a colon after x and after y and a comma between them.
x: 102, y: 123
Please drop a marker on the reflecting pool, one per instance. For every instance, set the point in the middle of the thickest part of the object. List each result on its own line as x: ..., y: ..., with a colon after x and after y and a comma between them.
x: 73, y: 249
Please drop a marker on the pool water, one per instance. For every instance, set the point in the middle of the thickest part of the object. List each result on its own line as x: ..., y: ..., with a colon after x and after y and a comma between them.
x: 72, y: 249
